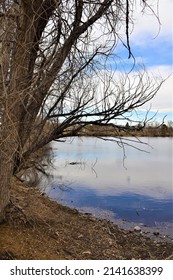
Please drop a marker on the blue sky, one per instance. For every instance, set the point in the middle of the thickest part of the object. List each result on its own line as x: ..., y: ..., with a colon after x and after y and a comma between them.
x: 151, y: 44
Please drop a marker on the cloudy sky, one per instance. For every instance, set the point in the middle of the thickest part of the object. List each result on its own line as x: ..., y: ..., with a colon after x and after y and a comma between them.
x: 151, y: 44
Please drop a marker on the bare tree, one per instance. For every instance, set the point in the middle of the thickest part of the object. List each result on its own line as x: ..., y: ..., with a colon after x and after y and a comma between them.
x: 54, y: 78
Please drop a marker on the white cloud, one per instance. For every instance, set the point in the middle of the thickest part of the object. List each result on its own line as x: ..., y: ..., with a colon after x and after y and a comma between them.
x: 147, y: 26
x: 163, y: 101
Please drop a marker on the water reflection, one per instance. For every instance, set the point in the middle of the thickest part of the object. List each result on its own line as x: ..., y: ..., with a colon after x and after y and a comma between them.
x: 129, y: 206
x: 95, y: 177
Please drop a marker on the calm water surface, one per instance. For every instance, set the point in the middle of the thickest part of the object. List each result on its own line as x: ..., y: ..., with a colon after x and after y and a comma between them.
x: 92, y: 175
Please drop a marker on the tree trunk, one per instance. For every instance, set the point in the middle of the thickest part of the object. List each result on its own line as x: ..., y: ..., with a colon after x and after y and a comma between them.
x: 5, y: 178
x: 6, y: 171
x: 8, y: 147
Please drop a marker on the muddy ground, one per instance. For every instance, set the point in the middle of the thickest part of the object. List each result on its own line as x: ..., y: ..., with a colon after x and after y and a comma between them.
x: 39, y: 229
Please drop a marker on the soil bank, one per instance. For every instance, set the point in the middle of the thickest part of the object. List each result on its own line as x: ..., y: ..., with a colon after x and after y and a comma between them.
x: 37, y: 228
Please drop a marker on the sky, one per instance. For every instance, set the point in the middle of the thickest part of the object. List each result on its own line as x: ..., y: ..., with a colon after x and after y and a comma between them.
x: 151, y: 44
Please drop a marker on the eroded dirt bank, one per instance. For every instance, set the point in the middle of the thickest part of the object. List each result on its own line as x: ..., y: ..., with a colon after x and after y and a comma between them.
x: 37, y: 228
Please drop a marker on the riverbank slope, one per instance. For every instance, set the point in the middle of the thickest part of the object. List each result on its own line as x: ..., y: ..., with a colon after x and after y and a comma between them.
x: 37, y: 228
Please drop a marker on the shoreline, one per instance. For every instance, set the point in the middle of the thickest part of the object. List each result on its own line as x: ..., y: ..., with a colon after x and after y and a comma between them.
x: 156, y: 233
x: 37, y: 228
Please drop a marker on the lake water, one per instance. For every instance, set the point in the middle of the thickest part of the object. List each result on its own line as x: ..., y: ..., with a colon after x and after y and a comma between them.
x: 92, y: 175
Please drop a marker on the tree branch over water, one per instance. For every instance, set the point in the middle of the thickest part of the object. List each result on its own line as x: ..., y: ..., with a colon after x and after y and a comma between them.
x: 55, y: 77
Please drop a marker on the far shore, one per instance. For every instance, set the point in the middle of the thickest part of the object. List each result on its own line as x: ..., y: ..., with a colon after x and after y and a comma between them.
x: 127, y: 131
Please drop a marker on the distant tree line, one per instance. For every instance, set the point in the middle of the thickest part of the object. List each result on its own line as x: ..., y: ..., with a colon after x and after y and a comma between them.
x: 150, y: 130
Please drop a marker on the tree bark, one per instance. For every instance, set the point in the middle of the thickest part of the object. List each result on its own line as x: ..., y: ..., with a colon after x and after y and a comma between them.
x: 5, y: 175
x: 8, y: 148
x: 6, y: 171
